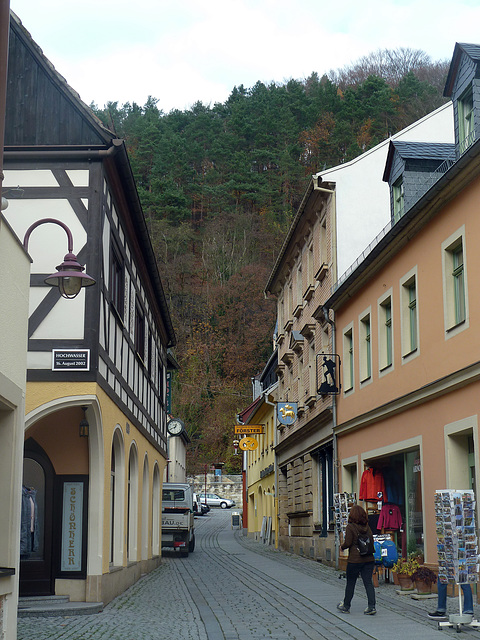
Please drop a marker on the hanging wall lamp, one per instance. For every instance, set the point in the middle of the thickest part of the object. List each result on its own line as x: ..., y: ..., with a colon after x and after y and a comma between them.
x: 84, y: 426
x: 68, y: 277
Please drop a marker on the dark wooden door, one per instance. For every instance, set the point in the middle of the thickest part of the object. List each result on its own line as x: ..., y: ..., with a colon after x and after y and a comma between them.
x: 36, y: 566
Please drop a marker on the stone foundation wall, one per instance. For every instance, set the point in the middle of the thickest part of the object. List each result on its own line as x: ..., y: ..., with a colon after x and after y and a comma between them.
x: 225, y: 486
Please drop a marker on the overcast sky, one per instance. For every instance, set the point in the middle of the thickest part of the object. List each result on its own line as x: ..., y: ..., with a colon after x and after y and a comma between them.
x: 181, y: 51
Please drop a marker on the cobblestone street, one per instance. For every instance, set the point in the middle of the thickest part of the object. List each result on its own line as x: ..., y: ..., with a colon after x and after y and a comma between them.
x: 232, y: 588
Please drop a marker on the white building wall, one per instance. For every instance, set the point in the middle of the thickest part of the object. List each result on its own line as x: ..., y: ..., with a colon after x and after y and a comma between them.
x: 14, y: 288
x: 362, y: 198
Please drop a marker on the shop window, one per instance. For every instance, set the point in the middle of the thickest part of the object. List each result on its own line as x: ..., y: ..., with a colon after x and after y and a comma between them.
x: 145, y: 510
x: 132, y: 505
x: 350, y: 480
x: 156, y: 504
x: 325, y: 470
x: 117, y: 476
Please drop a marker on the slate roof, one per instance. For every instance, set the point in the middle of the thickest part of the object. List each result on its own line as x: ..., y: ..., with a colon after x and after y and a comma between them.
x: 472, y: 51
x: 418, y: 151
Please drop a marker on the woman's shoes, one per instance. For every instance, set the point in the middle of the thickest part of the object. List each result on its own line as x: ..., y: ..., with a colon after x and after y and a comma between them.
x: 341, y: 607
x: 370, y: 611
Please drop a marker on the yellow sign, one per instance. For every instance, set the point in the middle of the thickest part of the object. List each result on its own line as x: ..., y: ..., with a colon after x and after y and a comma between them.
x: 248, y: 444
x: 247, y: 429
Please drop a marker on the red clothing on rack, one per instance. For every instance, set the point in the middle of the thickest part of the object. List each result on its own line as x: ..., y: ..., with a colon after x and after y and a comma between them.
x: 371, y: 484
x: 390, y: 517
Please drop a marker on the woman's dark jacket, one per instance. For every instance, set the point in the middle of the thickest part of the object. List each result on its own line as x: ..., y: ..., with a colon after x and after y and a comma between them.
x: 350, y: 541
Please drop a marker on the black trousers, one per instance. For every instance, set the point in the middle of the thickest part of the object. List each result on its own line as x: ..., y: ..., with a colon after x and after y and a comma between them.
x: 365, y: 570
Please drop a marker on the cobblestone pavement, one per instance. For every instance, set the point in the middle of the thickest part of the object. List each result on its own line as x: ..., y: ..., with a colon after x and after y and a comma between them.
x: 233, y: 588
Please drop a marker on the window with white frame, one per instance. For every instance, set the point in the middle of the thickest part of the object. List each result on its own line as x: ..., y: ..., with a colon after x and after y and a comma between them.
x: 365, y: 345
x: 455, y: 282
x: 409, y: 314
x: 398, y: 199
x: 385, y: 333
x: 466, y: 129
x: 348, y: 372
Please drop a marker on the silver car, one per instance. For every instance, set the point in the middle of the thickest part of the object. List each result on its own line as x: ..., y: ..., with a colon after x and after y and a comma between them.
x: 213, y: 500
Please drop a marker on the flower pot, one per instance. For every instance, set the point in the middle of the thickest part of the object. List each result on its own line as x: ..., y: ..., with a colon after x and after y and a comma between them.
x: 423, y: 588
x: 405, y: 582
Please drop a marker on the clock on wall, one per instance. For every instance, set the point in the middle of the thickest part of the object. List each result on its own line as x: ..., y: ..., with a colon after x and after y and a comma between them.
x: 175, y: 427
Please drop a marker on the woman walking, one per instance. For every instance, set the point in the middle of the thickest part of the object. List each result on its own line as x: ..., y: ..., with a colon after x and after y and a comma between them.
x: 358, y: 565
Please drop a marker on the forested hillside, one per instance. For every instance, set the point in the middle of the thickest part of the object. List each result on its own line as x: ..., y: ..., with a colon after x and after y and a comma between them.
x: 219, y: 185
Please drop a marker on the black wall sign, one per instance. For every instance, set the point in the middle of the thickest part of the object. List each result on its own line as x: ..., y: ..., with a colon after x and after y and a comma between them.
x: 70, y: 359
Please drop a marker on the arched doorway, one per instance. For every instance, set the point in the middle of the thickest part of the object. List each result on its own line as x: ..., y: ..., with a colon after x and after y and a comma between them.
x: 36, y: 546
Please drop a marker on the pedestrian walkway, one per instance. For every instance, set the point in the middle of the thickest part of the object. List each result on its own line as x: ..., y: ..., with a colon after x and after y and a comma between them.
x: 232, y: 588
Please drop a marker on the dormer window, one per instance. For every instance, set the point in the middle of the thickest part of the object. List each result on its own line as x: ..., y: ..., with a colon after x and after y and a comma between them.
x: 466, y: 129
x: 398, y: 200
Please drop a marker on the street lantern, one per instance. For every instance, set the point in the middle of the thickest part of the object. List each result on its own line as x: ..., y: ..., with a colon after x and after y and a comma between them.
x: 68, y: 277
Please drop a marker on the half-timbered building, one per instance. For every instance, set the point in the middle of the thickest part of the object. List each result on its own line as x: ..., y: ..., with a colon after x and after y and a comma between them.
x: 95, y: 425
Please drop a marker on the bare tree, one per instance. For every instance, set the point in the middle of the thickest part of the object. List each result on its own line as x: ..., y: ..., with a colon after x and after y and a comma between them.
x: 390, y: 64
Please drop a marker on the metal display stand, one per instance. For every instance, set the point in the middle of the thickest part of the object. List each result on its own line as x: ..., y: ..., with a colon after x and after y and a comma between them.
x: 458, y: 620
x: 457, y: 547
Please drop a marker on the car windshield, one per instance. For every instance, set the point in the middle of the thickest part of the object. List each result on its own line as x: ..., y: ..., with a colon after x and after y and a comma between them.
x: 173, y: 495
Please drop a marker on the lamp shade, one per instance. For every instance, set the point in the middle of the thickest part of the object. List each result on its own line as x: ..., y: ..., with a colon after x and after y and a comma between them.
x: 69, y: 277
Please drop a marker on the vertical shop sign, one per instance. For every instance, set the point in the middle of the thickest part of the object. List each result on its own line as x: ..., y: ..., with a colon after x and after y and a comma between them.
x: 169, y: 393
x: 72, y: 527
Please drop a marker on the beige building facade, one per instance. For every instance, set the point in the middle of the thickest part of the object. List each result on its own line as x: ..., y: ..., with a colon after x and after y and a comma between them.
x: 407, y: 328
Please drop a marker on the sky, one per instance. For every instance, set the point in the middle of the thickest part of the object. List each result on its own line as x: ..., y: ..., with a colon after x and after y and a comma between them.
x: 184, y: 51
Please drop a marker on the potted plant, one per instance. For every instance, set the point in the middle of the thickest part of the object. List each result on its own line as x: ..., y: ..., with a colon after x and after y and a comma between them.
x: 405, y: 568
x: 423, y: 578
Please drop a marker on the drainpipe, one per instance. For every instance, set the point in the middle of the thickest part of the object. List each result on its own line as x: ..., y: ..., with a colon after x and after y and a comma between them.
x: 334, y: 439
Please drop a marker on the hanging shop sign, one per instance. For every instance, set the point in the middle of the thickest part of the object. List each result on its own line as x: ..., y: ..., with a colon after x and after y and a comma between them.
x: 328, y: 371
x: 248, y: 444
x: 248, y: 429
x: 70, y: 359
x: 286, y: 412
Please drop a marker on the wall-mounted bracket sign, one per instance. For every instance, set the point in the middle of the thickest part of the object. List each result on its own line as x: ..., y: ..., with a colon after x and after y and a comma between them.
x: 248, y: 429
x: 70, y: 359
x: 248, y: 444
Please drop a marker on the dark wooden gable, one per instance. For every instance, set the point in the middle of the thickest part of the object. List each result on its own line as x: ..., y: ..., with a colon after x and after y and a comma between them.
x: 41, y: 107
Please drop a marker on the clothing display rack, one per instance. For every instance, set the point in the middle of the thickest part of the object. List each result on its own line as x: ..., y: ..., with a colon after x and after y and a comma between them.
x: 457, y: 547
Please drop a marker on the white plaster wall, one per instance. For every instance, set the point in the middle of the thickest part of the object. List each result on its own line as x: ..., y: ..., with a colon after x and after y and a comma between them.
x: 14, y: 288
x: 362, y: 198
x: 14, y: 291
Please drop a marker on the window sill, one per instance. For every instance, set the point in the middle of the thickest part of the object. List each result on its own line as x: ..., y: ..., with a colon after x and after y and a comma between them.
x: 407, y: 355
x: 363, y: 380
x: 455, y: 326
x: 386, y: 367
x: 309, y: 292
x: 298, y: 310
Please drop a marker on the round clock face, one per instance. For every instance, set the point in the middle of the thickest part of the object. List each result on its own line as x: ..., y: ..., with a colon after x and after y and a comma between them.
x: 174, y: 427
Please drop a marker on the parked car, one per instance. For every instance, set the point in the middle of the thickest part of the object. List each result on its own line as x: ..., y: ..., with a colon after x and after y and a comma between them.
x: 213, y: 500
x: 199, y: 508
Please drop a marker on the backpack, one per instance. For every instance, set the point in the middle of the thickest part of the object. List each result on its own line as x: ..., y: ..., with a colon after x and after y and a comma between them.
x: 365, y: 545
